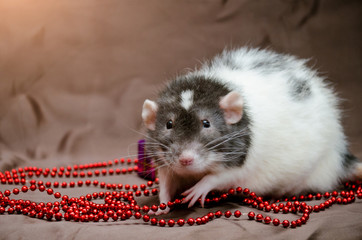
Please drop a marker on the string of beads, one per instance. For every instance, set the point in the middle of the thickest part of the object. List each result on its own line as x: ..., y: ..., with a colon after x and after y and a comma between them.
x: 119, y: 201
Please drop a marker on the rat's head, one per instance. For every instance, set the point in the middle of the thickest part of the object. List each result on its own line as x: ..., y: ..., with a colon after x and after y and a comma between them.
x: 197, y: 125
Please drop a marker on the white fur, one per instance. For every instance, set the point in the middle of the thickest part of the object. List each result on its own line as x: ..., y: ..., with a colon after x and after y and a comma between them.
x: 295, y: 145
x: 187, y: 99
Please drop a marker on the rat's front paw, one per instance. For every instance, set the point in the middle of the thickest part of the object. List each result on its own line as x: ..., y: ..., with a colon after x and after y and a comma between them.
x: 162, y: 211
x: 159, y: 211
x: 200, y: 190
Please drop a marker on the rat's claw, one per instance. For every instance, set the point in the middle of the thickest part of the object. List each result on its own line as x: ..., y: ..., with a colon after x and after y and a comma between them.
x: 187, y: 192
x: 159, y: 211
x: 164, y: 211
x: 193, y: 195
x: 201, y: 189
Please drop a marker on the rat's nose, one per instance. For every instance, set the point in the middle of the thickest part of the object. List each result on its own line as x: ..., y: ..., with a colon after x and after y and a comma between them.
x: 186, y: 161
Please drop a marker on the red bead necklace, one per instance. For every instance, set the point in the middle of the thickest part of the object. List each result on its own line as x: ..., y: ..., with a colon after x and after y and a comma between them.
x: 119, y: 200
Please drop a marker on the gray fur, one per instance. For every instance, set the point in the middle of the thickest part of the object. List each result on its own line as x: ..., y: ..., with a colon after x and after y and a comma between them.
x: 188, y: 123
x: 300, y: 88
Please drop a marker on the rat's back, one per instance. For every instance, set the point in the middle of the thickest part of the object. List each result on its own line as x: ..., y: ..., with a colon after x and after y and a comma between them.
x: 297, y: 141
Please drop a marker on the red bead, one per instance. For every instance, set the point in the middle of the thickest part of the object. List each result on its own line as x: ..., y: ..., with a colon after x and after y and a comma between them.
x: 253, y: 195
x: 154, y: 221
x: 285, y: 223
x: 105, y: 218
x: 251, y: 215
x: 231, y: 191
x: 49, y: 215
x: 198, y: 221
x: 145, y: 208
x: 57, y: 195
x: 267, y: 220
x: 260, y: 206
x: 218, y: 214
x: 299, y: 222
x: 169, y: 204
x: 40, y: 215
x: 16, y: 191
x: 276, y: 209
x: 276, y: 222
x: 316, y: 208
x: 246, y: 191
x: 190, y: 221
x: 162, y: 222
x: 293, y: 224
x: 115, y: 217
x: 322, y: 206
x: 24, y: 189
x: 359, y: 195
x: 259, y: 217
x: 310, y: 197
x: 163, y: 206
x: 10, y: 210
x: 181, y: 222
x: 227, y: 214
x: 237, y: 213
x: 171, y: 223
x: 137, y: 215
x: 268, y: 208
x: 285, y: 209
x: 58, y: 216
x: 154, y: 208
x: 146, y: 218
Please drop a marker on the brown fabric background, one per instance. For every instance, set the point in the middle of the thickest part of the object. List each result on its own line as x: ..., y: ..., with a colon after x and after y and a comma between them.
x: 74, y: 75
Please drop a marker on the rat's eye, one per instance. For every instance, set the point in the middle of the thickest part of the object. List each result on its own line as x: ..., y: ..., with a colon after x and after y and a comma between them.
x: 169, y: 124
x: 206, y: 123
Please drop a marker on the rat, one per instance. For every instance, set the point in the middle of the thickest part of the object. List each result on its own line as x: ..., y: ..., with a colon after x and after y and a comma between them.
x: 251, y: 118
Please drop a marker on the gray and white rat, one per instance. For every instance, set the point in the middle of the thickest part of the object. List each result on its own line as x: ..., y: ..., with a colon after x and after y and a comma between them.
x: 251, y: 118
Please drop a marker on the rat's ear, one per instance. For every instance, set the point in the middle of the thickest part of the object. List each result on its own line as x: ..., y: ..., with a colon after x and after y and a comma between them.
x: 232, y: 105
x: 149, y: 111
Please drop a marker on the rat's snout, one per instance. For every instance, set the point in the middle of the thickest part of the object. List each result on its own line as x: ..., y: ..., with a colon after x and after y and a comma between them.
x: 186, y: 158
x: 186, y: 161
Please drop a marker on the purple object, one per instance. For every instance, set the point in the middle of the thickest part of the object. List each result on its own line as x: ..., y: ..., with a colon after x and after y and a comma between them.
x: 145, y: 165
